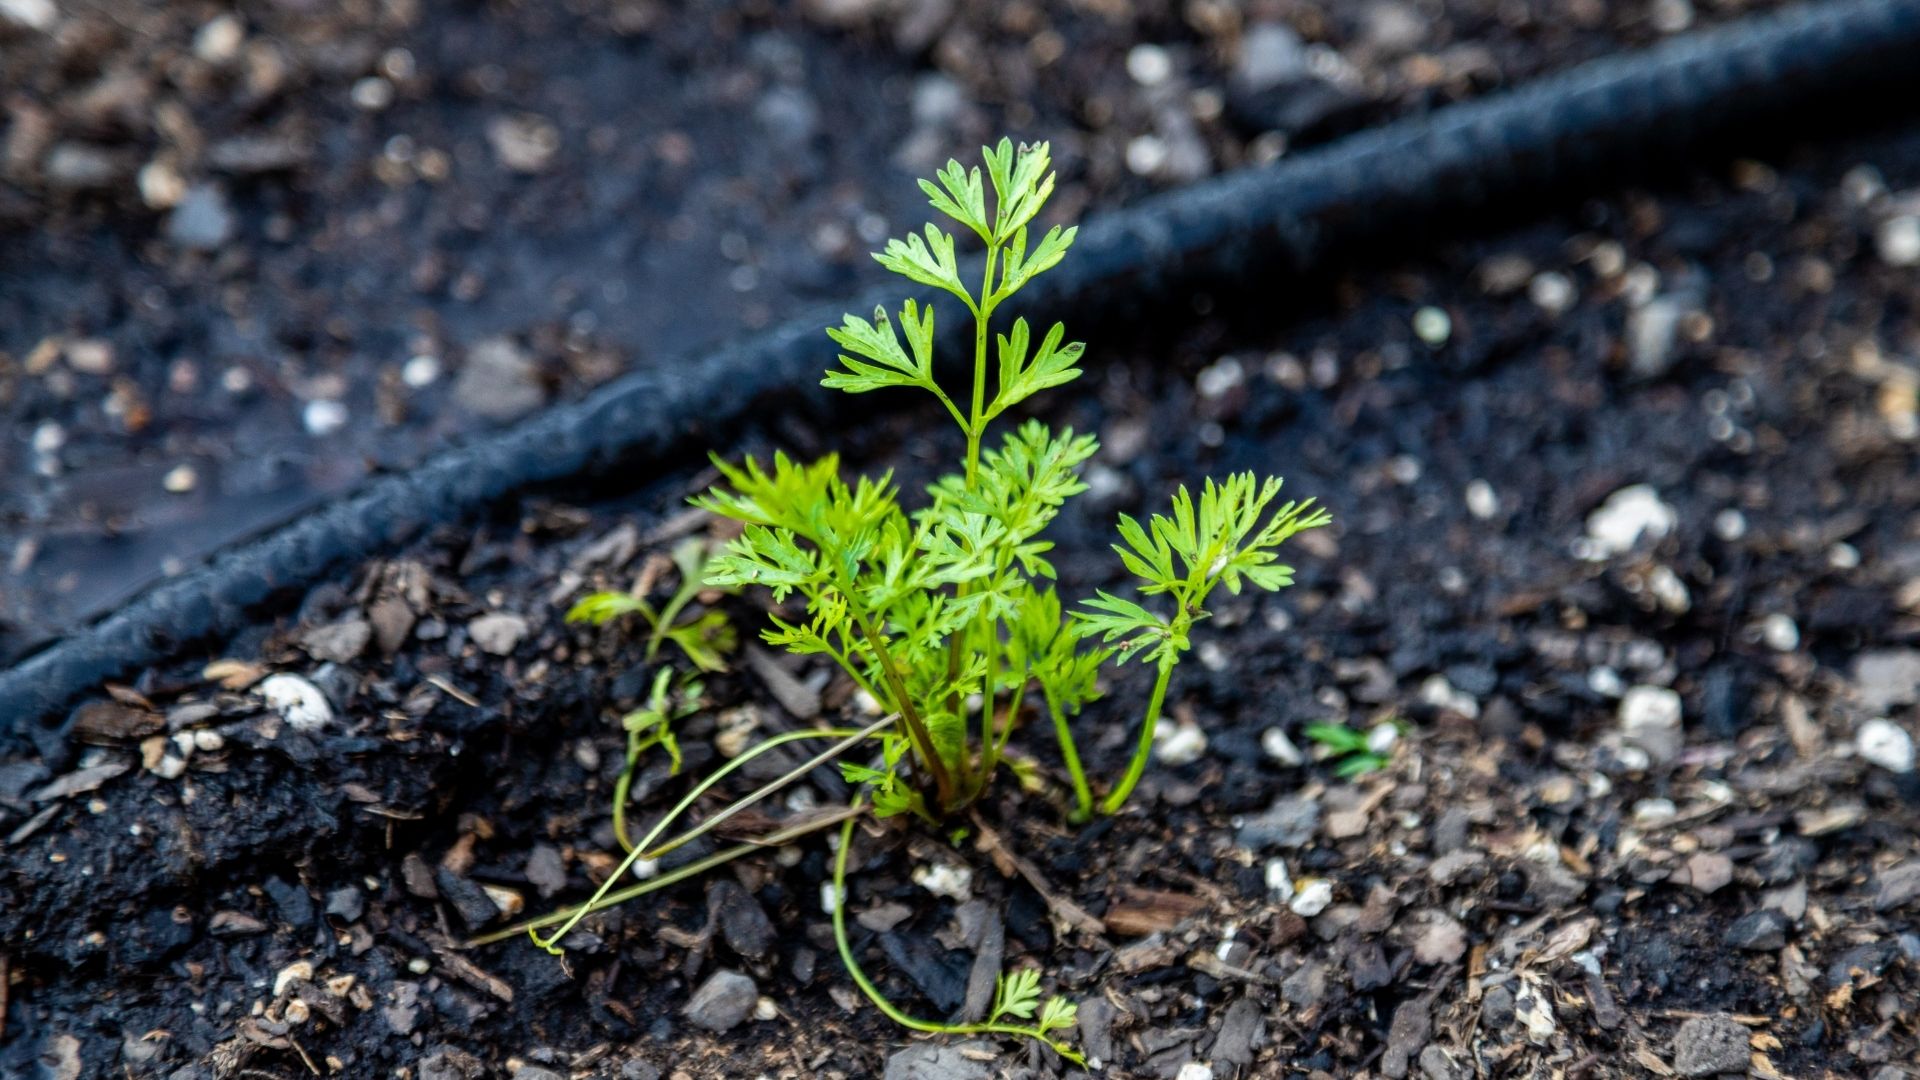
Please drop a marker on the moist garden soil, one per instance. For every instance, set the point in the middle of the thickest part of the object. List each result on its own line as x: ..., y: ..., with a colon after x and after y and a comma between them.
x: 250, y: 254
x: 1532, y: 887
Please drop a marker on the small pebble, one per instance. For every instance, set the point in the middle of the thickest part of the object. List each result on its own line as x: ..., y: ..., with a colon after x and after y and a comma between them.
x: 323, y: 417
x: 1195, y: 1070
x: 1886, y: 744
x: 1898, y: 240
x: 1552, y: 292
x: 420, y: 371
x: 1780, y: 632
x: 1482, y: 502
x: 1433, y: 326
x: 1730, y: 525
x: 951, y: 880
x: 1179, y: 744
x: 299, y: 702
x: 1311, y: 897
x: 1279, y: 882
x: 207, y: 740
x: 1628, y: 516
x: 1275, y: 744
x: 180, y: 479
x: 1149, y: 65
x: 298, y: 971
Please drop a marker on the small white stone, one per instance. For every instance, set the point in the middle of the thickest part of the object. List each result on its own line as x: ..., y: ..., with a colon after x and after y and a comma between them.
x: 1220, y: 377
x: 1311, y: 897
x: 1551, y: 291
x: 1886, y: 744
x: 218, y: 39
x: 1482, y: 502
x: 1179, y: 744
x: 1650, y: 719
x: 1195, y: 1070
x: 299, y: 702
x: 951, y: 880
x: 298, y: 971
x: 1629, y: 515
x: 646, y: 869
x: 1650, y: 813
x: 1669, y: 591
x: 1606, y: 682
x: 323, y: 417
x: 765, y: 1009
x: 170, y: 768
x: 180, y: 479
x: 372, y: 93
x: 49, y: 437
x: 419, y: 965
x: 1150, y: 65
x: 1275, y: 744
x: 1730, y: 525
x: 1146, y: 154
x: 1381, y: 737
x: 1898, y: 239
x: 1780, y: 632
x: 1439, y: 693
x: 420, y: 371
x: 1843, y: 556
x: 183, y: 742
x: 1279, y: 882
x: 208, y: 740
x: 829, y: 897
x: 1433, y: 325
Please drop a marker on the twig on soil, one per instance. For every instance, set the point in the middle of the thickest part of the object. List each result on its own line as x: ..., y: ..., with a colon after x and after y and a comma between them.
x: 454, y: 692
x: 1008, y: 864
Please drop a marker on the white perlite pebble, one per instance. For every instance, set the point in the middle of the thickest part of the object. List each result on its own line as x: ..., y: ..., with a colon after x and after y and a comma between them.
x: 1381, y: 737
x: 1432, y: 325
x: 1628, y: 516
x: 829, y: 897
x: 1650, y: 719
x: 1182, y: 744
x: 1899, y: 241
x: 1279, y: 882
x: 1194, y: 1070
x: 299, y: 702
x: 765, y: 1009
x: 1780, y: 632
x: 1311, y: 897
x: 1886, y: 744
x: 950, y: 880
x: 324, y: 417
x: 1275, y: 744
x: 1482, y: 501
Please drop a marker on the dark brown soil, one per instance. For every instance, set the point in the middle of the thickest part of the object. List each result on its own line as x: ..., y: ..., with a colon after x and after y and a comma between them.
x: 227, y: 232
x: 1525, y: 891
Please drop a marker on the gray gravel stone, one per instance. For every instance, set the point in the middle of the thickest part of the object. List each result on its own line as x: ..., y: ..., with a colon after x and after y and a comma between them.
x: 1710, y: 1045
x: 723, y: 1001
x: 1289, y: 823
x: 499, y: 381
x: 940, y: 1061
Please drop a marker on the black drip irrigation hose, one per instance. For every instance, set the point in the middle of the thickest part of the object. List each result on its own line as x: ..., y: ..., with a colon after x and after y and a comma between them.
x: 1770, y: 77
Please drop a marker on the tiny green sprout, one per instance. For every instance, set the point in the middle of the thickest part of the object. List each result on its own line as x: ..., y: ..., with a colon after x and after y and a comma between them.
x: 1353, y: 753
x: 648, y: 727
x: 705, y: 638
x: 946, y: 612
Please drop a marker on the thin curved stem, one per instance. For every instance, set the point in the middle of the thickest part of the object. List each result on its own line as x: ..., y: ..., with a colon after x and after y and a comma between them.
x: 1118, y: 796
x: 671, y: 877
x: 641, y: 850
x: 892, y: 1011
x: 1082, y: 794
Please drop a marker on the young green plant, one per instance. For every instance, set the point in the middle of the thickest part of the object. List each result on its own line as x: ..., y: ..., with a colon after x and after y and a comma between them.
x: 945, y: 614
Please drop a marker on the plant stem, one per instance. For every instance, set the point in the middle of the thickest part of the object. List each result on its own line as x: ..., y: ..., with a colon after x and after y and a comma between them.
x: 1118, y: 796
x: 621, y: 788
x: 923, y: 739
x: 873, y: 993
x: 671, y: 877
x: 1082, y: 794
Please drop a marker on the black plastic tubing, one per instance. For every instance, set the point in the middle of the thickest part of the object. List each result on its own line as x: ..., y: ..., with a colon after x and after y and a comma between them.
x: 1785, y: 74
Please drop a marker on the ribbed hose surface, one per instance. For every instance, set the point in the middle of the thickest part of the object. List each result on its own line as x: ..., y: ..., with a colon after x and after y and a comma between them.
x: 1610, y: 118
